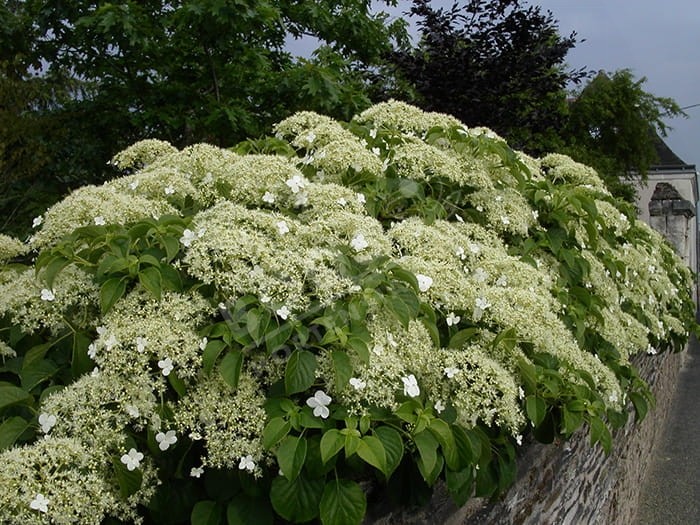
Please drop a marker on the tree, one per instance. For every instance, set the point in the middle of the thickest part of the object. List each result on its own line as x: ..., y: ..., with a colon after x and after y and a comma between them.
x: 614, y: 124
x: 491, y: 63
x: 108, y: 74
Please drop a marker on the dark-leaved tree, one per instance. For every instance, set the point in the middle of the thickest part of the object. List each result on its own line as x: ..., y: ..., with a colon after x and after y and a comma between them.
x: 494, y: 63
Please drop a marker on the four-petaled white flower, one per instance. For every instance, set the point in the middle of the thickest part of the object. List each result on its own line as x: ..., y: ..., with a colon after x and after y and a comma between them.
x: 450, y: 371
x: 133, y: 185
x: 166, y: 365
x: 651, y: 350
x: 47, y: 295
x: 111, y: 342
x: 474, y: 248
x: 310, y: 137
x: 302, y: 199
x: 482, y: 303
x: 132, y: 459
x: 319, y: 402
x: 188, y: 236
x: 361, y: 198
x: 452, y: 319
x: 519, y: 440
x: 521, y: 393
x: 480, y: 275
x: 166, y: 439
x: 247, y: 463
x: 37, y: 221
x: 141, y: 343
x: 40, y: 503
x: 92, y: 350
x: 410, y: 386
x: 196, y: 472
x: 424, y: 282
x: 502, y: 281
x: 296, y: 183
x: 341, y: 202
x: 132, y: 411
x: 283, y: 312
x: 169, y: 190
x: 505, y: 220
x: 99, y: 220
x: 282, y: 227
x: 269, y: 197
x: 358, y: 242
x: 357, y: 383
x: 47, y: 422
x: 203, y: 343
x: 459, y: 252
x: 439, y: 406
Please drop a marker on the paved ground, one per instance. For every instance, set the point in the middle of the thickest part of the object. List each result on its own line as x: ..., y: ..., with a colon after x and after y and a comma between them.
x: 671, y: 492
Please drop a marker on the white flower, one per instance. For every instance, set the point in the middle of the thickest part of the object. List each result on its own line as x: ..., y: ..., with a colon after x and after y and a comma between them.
x: 505, y: 220
x: 459, y: 252
x: 535, y: 214
x: 481, y: 304
x: 474, y: 248
x: 357, y: 383
x: 40, y: 503
x: 265, y: 299
x: 452, y: 319
x: 101, y: 330
x: 92, y: 350
x: 361, y: 198
x: 47, y: 422
x: 283, y: 312
x: 651, y: 350
x: 111, y: 342
x: 269, y: 197
x: 613, y: 397
x: 519, y: 440
x: 37, y: 221
x: 341, y: 202
x: 47, y: 295
x: 203, y: 343
x: 479, y: 208
x: 480, y: 275
x: 521, y: 393
x: 95, y: 372
x: 169, y: 190
x: 141, y: 343
x: 502, y: 281
x: 499, y: 198
x: 358, y: 242
x: 132, y: 459
x: 247, y: 463
x: 439, y: 406
x: 410, y: 386
x: 166, y: 439
x: 133, y: 185
x: 319, y: 402
x: 282, y: 227
x: 196, y: 472
x: 450, y: 371
x: 187, y: 237
x: 99, y: 220
x: 424, y: 282
x: 378, y: 349
x: 296, y: 183
x: 166, y: 365
x: 302, y: 199
x: 132, y: 411
x: 310, y: 137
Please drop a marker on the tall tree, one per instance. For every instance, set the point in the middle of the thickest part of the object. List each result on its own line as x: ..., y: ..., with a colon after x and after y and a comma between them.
x: 109, y: 73
x: 614, y: 125
x: 492, y: 63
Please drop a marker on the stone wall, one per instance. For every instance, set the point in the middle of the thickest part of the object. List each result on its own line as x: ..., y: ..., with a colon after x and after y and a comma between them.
x: 567, y: 483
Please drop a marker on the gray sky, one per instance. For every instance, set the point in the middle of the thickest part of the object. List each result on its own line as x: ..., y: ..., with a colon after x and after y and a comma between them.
x: 656, y: 39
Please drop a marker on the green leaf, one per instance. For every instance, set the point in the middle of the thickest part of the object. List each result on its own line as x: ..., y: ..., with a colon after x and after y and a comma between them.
x: 331, y: 443
x: 52, y: 269
x: 177, y: 383
x: 110, y: 292
x: 274, y: 431
x: 371, y: 450
x: 291, y: 455
x: 211, y: 354
x: 230, y: 367
x: 36, y: 373
x: 172, y: 246
x: 249, y: 510
x: 129, y: 480
x: 442, y: 431
x: 342, y: 366
x: 297, y: 500
x: 343, y: 503
x: 257, y: 321
x: 150, y: 279
x: 427, y: 446
x: 393, y: 447
x: 11, y: 395
x: 277, y: 337
x: 600, y: 433
x: 640, y: 405
x: 11, y: 430
x: 300, y: 372
x: 536, y: 409
x: 360, y: 347
x: 80, y: 360
x: 460, y: 484
x: 207, y: 512
x: 462, y: 337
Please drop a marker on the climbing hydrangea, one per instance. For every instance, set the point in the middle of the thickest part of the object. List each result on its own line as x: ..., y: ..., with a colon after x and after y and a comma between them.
x: 389, y: 290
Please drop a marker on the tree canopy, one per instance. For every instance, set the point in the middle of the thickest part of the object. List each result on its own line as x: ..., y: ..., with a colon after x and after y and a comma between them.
x: 80, y: 80
x: 493, y: 63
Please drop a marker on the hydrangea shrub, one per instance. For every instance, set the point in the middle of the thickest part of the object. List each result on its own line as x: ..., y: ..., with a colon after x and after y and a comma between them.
x: 342, y: 312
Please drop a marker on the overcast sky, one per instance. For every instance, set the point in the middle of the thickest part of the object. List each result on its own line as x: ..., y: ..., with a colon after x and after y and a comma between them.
x: 656, y: 39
